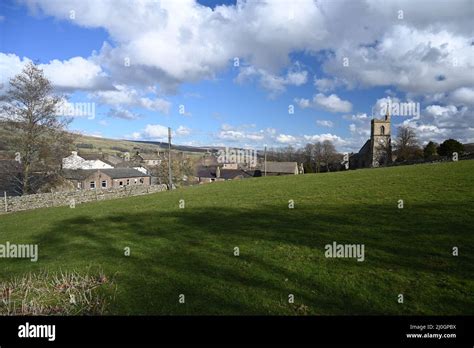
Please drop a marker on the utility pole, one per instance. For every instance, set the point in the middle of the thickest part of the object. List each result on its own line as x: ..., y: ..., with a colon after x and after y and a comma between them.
x: 265, y: 165
x: 170, y: 177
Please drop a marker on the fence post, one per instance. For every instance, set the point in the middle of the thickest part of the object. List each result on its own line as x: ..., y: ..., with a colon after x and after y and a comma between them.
x: 6, y: 204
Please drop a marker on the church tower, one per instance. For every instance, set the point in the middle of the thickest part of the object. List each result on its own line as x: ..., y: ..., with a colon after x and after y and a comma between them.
x: 380, y: 141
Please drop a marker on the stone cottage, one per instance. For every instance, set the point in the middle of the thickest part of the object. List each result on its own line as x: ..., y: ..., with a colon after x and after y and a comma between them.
x: 106, y: 178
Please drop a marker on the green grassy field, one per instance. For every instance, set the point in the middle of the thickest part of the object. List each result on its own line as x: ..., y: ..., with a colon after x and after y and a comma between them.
x: 190, y: 251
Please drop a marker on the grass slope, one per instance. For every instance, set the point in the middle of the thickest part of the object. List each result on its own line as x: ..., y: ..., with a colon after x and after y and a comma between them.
x: 190, y: 251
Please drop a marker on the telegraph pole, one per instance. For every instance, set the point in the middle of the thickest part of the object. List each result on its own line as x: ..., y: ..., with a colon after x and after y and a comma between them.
x: 170, y: 177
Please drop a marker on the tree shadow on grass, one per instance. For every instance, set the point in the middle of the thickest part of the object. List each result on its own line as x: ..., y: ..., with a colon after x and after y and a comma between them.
x: 190, y: 252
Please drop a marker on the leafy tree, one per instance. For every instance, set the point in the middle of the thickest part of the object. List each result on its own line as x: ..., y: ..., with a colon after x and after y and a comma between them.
x: 38, y: 136
x: 449, y: 146
x: 430, y: 150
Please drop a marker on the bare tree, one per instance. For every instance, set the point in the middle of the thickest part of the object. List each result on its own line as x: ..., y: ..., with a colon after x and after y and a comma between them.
x: 29, y: 113
x: 182, y: 170
x: 318, y: 155
x: 328, y: 153
x: 406, y: 143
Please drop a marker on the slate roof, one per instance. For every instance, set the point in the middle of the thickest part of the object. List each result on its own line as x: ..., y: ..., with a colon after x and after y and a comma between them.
x: 233, y: 173
x: 149, y: 156
x: 119, y: 173
x: 113, y: 173
x: 366, y: 148
x: 77, y: 174
x: 227, y: 174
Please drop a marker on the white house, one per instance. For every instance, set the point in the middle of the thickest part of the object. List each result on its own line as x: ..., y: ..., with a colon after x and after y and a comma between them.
x: 77, y: 162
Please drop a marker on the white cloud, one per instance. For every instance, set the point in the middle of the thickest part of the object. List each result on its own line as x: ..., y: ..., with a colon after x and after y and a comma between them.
x: 303, y: 103
x: 155, y: 132
x: 332, y: 103
x: 437, y: 110
x: 286, y: 139
x: 126, y: 96
x: 440, y: 122
x: 173, y: 42
x: 10, y: 65
x: 325, y: 85
x: 359, y: 117
x: 135, y: 135
x: 73, y: 74
x: 273, y: 83
x: 463, y: 95
x: 418, y: 61
x: 123, y: 113
x: 337, y: 140
x: 183, y: 131
x: 325, y: 123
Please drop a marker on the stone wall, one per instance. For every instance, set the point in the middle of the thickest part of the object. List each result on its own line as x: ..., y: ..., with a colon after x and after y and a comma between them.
x: 66, y: 198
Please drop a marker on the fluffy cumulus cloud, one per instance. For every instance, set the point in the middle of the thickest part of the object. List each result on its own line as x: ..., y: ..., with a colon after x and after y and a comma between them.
x: 463, y: 95
x: 330, y: 103
x: 183, y: 131
x: 155, y: 132
x: 418, y: 61
x: 439, y: 122
x: 159, y: 132
x: 173, y: 42
x: 122, y: 113
x: 69, y: 75
x: 273, y: 83
x: 124, y: 96
x: 286, y: 139
x: 247, y: 134
x: 325, y: 123
x: 176, y: 41
x: 426, y: 54
x: 240, y: 134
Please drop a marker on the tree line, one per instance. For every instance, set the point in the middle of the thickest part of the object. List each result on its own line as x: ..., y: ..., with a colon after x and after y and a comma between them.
x: 322, y: 156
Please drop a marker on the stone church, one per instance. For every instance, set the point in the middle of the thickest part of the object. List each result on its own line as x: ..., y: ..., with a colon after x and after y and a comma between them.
x: 377, y: 151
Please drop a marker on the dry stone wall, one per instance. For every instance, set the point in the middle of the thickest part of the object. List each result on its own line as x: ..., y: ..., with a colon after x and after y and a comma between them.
x: 66, y: 198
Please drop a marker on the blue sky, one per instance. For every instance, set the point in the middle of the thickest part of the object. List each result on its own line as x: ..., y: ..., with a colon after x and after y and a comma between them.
x: 182, y: 54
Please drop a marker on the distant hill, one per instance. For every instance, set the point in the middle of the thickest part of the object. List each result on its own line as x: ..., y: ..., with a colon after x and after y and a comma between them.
x: 91, y: 144
x: 164, y: 145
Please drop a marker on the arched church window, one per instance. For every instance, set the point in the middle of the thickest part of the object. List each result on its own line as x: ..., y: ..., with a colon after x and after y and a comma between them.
x: 382, y: 130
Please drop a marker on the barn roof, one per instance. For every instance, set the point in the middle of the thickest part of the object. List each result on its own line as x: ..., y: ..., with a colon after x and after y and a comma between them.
x: 113, y: 173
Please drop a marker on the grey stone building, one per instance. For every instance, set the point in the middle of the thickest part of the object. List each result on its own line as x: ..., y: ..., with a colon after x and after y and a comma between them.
x: 377, y: 151
x: 106, y: 178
